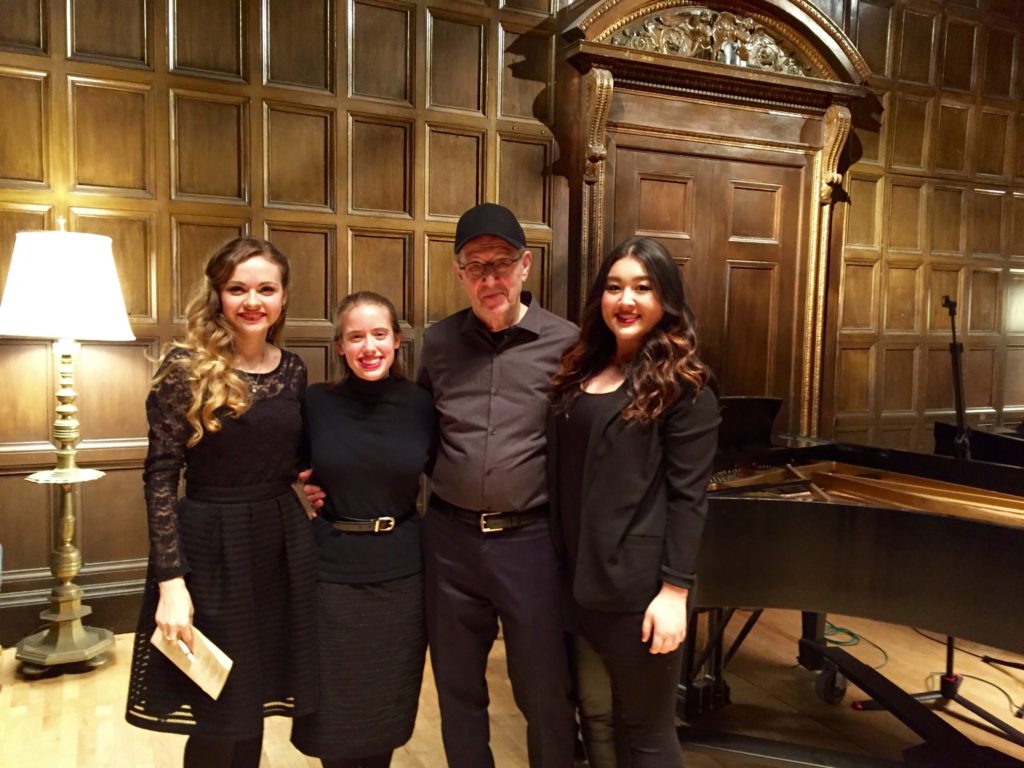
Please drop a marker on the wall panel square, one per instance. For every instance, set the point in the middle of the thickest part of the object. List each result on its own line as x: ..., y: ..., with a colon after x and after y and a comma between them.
x: 319, y: 357
x: 906, y: 217
x: 312, y: 254
x: 381, y: 52
x: 854, y: 382
x: 24, y: 527
x: 859, y: 294
x: 527, y: 70
x: 208, y: 37
x: 119, y: 33
x: 987, y: 222
x: 297, y: 44
x: 380, y: 165
x: 899, y: 382
x: 455, y: 170
x: 986, y: 301
x: 751, y: 323
x: 992, y: 154
x: 874, y: 21
x: 134, y: 247
x: 1000, y: 56
x: 14, y: 218
x: 381, y: 261
x: 917, y: 44
x: 523, y: 178
x: 948, y: 220
x: 666, y: 204
x: 111, y: 130
x: 25, y: 26
x: 194, y: 241
x: 959, y: 52
x: 943, y: 281
x: 863, y: 212
x: 902, y: 288
x: 939, y: 388
x: 1013, y: 379
x: 444, y: 292
x: 299, y: 157
x: 209, y: 147
x: 951, y: 137
x: 1017, y: 225
x: 1015, y: 301
x: 25, y: 142
x: 456, y: 63
x: 909, y: 124
x: 111, y: 538
x: 26, y: 392
x: 979, y: 377
x: 755, y: 212
x: 113, y: 381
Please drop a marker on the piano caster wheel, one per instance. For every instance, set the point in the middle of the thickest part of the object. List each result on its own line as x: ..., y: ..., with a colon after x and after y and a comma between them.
x: 830, y: 685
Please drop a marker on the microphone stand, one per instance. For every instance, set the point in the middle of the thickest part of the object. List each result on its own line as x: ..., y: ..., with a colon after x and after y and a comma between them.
x: 949, y: 683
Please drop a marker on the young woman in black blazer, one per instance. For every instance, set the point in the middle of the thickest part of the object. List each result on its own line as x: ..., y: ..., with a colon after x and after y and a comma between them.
x: 633, y: 433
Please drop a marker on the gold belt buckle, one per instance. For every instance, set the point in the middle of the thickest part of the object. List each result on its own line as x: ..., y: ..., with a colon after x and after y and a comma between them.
x: 484, y: 528
x: 383, y: 524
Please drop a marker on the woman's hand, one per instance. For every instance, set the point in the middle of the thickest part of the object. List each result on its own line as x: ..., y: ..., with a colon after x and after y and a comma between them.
x: 665, y: 619
x: 174, y: 611
x: 314, y: 493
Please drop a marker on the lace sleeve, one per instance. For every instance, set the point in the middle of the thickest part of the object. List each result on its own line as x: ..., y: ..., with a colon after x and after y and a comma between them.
x: 166, y: 407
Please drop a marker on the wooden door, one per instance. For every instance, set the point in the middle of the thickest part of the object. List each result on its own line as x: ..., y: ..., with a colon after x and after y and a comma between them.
x: 734, y: 226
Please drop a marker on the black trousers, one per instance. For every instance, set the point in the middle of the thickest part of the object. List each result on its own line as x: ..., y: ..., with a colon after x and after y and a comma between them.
x: 642, y: 692
x: 472, y: 580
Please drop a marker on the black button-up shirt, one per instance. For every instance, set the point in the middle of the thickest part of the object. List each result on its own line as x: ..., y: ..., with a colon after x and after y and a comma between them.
x: 491, y: 394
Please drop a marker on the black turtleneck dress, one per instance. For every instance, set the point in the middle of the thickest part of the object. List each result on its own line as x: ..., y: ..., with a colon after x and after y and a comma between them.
x: 369, y: 444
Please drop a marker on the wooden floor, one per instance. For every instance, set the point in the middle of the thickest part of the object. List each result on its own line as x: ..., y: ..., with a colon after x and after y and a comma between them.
x: 77, y: 720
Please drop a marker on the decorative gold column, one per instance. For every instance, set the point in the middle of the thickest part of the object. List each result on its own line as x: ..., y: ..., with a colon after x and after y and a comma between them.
x: 836, y: 131
x: 599, y: 100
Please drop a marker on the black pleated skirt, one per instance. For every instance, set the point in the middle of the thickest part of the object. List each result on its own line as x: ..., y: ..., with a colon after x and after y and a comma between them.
x: 372, y: 649
x: 253, y: 587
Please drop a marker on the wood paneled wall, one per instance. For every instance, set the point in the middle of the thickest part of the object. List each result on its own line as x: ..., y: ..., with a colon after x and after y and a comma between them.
x: 936, y: 207
x: 352, y: 134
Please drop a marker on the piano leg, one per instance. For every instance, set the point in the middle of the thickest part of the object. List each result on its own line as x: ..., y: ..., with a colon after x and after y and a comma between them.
x: 812, y: 640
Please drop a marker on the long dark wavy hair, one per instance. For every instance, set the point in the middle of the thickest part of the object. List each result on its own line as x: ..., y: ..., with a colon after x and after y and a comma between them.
x: 667, y: 356
x: 210, y: 339
x: 357, y: 299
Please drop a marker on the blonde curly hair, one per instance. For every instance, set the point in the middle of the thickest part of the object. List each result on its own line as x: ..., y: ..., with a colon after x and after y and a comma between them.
x: 210, y: 339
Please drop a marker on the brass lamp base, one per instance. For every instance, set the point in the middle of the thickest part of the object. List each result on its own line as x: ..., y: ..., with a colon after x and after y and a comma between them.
x: 66, y: 640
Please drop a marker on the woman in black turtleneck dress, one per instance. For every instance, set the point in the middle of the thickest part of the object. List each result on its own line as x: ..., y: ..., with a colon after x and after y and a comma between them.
x: 370, y: 436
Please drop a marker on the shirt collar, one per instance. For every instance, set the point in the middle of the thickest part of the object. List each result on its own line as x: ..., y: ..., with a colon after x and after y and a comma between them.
x: 529, y: 323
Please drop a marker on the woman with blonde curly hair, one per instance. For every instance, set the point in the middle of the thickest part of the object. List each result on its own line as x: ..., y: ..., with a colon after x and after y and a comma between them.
x: 630, y: 446
x: 234, y: 556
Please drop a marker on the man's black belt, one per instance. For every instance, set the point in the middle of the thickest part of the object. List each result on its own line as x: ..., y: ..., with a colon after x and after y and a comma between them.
x: 489, y: 522
x: 383, y: 524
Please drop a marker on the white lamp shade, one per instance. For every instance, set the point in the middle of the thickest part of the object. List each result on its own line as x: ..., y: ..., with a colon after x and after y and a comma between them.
x: 63, y: 285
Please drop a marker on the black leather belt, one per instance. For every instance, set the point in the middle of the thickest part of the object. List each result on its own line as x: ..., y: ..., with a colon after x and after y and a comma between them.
x: 384, y: 524
x: 489, y: 522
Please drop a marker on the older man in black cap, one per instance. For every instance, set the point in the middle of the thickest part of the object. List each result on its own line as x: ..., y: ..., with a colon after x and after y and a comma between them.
x: 486, y: 543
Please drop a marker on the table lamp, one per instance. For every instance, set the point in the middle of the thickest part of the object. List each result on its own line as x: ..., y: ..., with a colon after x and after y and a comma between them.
x: 46, y: 268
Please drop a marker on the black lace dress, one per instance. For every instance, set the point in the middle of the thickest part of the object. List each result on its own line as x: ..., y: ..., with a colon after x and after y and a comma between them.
x: 242, y: 541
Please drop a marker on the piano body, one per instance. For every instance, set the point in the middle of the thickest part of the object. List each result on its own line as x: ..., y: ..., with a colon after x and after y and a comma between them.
x: 913, y: 539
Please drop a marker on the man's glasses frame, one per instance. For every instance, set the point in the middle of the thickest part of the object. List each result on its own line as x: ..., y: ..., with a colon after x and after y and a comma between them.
x: 475, y: 270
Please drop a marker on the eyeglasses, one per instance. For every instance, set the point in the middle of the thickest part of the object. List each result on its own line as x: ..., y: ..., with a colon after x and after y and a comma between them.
x: 498, y: 267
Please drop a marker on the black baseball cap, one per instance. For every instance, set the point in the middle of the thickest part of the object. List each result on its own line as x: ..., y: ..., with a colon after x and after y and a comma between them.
x: 489, y: 219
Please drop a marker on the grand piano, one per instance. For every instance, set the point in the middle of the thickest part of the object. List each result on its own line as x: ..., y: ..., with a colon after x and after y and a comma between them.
x: 926, y: 541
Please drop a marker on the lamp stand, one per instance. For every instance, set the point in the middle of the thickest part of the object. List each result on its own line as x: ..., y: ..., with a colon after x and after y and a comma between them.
x: 66, y: 640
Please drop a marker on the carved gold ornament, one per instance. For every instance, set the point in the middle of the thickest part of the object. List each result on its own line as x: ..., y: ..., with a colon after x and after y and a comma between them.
x: 701, y: 33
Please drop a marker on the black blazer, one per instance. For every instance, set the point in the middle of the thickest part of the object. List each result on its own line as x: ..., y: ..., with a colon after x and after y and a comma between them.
x: 642, y: 503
